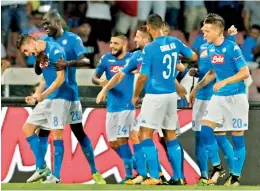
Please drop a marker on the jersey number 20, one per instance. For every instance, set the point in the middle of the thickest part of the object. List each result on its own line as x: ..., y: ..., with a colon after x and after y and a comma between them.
x: 170, y: 59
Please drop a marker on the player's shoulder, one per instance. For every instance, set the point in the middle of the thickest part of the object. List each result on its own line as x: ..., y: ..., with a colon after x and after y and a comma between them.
x: 54, y: 48
x: 231, y: 45
x: 71, y: 36
x: 106, y: 57
x: 204, y: 46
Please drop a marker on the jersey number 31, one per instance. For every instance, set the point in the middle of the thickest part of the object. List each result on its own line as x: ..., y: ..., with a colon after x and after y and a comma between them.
x: 170, y: 59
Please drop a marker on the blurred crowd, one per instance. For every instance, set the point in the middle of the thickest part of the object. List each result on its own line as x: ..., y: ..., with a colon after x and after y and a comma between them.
x: 94, y: 21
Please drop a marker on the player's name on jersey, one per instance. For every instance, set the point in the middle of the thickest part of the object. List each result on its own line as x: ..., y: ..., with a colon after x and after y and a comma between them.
x: 167, y: 47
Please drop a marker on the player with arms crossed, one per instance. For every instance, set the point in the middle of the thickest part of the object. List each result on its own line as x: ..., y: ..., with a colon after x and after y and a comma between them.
x: 159, y: 107
x: 120, y: 110
x: 228, y: 107
x: 55, y: 101
x: 76, y: 57
x: 203, y: 96
x: 141, y: 39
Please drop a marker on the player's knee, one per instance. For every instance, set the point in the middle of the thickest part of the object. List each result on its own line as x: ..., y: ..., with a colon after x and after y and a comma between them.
x: 209, y: 124
x: 169, y: 135
x: 57, y: 134
x: 237, y: 133
x: 114, y: 145
x: 122, y: 141
x: 29, y: 129
x: 146, y: 133
x: 135, y: 137
x: 219, y: 133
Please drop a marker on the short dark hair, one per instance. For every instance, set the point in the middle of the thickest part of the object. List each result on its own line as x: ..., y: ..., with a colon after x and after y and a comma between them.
x: 143, y: 29
x: 155, y: 21
x: 23, y: 39
x: 119, y: 35
x: 213, y: 18
x: 257, y: 27
x: 53, y: 14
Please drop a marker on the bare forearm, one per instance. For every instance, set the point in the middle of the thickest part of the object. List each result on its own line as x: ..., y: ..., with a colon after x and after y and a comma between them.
x: 139, y: 86
x: 209, y: 77
x: 114, y: 81
x: 96, y: 81
x: 41, y: 87
x: 54, y: 86
x: 79, y: 63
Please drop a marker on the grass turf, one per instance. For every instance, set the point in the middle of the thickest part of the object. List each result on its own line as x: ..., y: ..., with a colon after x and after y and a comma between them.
x: 35, y: 186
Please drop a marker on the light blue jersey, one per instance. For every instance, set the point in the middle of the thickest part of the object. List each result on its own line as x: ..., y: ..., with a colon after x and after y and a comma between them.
x: 206, y: 92
x: 54, y: 53
x: 119, y: 98
x: 227, y: 60
x: 159, y: 63
x: 73, y: 47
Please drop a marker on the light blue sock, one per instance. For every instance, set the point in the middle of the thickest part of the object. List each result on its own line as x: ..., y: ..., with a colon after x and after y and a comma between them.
x: 34, y: 143
x: 42, y: 149
x: 140, y: 160
x: 89, y: 153
x: 182, y: 160
x: 175, y: 157
x: 210, y: 144
x: 152, y: 157
x: 126, y: 155
x: 227, y: 150
x: 239, y: 154
x: 58, y: 157
x: 201, y: 155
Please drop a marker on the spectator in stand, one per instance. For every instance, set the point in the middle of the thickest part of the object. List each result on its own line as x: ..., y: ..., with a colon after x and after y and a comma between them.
x: 194, y: 13
x: 199, y: 40
x: 4, y: 62
x: 127, y: 16
x: 145, y: 8
x: 172, y: 13
x: 99, y: 18
x: 90, y: 44
x: 251, y: 14
x: 13, y: 10
x: 250, y: 43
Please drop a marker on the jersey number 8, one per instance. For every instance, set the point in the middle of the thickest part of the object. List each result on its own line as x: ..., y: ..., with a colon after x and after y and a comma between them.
x: 168, y: 59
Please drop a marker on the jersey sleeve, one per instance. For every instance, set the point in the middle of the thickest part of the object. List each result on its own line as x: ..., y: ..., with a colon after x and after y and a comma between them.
x: 232, y: 37
x: 238, y: 57
x: 101, y: 67
x: 131, y: 66
x: 57, y: 54
x: 184, y: 50
x: 78, y: 46
x: 147, y: 61
x: 196, y: 44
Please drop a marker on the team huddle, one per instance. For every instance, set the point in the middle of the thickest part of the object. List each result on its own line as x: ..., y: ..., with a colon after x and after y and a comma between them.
x: 219, y: 100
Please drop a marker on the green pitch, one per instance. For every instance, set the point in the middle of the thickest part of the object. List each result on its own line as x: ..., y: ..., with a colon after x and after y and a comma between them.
x: 16, y: 186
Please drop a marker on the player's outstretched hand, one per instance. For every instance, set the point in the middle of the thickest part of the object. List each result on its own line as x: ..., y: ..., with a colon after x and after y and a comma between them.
x: 60, y: 65
x: 193, y: 72
x: 101, y: 97
x: 30, y: 100
x: 232, y: 30
x: 218, y: 85
x: 192, y: 96
x: 38, y: 97
x: 135, y: 101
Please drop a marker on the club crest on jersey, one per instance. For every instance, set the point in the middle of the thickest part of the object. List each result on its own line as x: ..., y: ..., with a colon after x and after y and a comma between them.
x: 115, y: 68
x: 64, y: 42
x: 204, y: 54
x: 44, y: 64
x: 217, y: 59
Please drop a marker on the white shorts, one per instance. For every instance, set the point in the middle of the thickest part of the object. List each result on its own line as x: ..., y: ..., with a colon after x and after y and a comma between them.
x: 119, y: 124
x: 198, y: 110
x: 229, y: 112
x: 136, y: 127
x: 50, y: 114
x: 75, y: 113
x: 159, y: 111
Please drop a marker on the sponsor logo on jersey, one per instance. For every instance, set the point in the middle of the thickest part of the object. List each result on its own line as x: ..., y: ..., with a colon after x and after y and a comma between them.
x: 217, y: 59
x: 115, y: 68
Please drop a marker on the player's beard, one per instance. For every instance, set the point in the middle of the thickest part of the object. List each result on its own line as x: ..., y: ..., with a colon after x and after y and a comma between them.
x: 118, y: 52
